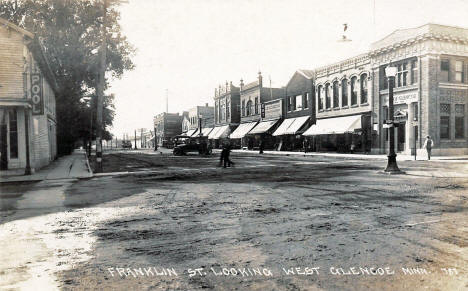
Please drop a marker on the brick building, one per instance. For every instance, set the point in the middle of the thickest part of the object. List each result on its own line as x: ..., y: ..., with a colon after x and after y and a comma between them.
x: 200, y: 117
x: 343, y: 106
x: 166, y: 126
x: 431, y: 88
x: 27, y: 102
x: 226, y: 112
x: 299, y: 110
x: 252, y: 95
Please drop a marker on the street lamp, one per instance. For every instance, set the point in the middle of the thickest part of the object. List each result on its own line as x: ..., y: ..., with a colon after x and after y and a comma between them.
x: 392, y: 166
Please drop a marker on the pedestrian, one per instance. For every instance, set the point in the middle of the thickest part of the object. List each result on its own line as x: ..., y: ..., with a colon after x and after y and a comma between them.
x: 428, y: 143
x: 305, y: 145
x: 353, y: 146
x: 262, y: 145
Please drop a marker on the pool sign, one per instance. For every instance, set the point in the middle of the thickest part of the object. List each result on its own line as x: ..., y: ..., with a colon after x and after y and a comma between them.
x: 36, y: 94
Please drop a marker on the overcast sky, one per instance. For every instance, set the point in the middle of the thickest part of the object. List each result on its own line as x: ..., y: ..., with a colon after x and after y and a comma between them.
x: 189, y: 47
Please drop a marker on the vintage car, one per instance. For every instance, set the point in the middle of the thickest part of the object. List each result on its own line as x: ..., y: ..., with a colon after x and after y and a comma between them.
x: 184, y: 144
x: 126, y: 144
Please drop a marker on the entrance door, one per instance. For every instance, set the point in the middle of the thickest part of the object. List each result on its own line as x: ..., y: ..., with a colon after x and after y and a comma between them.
x: 401, y: 137
x: 3, y: 141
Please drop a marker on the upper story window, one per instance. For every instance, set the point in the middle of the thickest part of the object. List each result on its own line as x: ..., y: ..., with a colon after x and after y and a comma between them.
x: 459, y: 76
x: 344, y: 92
x: 256, y: 105
x: 228, y: 110
x: 354, y: 90
x: 336, y: 94
x: 306, y: 101
x: 319, y: 98
x: 249, y: 108
x: 364, y: 88
x: 327, y: 96
x: 402, y: 75
x: 298, y: 102
x: 414, y: 71
x: 243, y: 108
x: 444, y: 70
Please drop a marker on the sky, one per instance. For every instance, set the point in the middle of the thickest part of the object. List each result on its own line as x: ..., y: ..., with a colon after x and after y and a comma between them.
x: 186, y: 48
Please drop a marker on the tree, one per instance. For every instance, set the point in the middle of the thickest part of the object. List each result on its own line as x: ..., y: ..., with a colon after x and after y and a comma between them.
x: 71, y: 33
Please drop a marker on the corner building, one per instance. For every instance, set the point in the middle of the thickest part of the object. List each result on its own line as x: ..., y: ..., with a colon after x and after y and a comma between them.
x: 431, y: 90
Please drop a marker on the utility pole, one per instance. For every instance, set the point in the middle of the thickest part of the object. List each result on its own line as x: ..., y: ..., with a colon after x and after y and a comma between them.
x: 167, y: 101
x: 135, y: 140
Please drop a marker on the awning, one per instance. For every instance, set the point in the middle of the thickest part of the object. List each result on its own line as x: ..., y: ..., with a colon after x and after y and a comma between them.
x: 15, y: 103
x: 242, y: 130
x: 291, y: 125
x: 337, y: 125
x: 191, y: 132
x: 205, y: 132
x: 263, y: 126
x: 219, y: 132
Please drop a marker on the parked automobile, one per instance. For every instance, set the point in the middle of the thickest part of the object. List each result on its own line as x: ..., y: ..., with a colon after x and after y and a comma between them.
x: 126, y: 144
x: 184, y: 144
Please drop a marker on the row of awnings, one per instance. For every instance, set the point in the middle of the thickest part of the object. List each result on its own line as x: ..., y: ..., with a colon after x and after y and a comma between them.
x: 289, y: 126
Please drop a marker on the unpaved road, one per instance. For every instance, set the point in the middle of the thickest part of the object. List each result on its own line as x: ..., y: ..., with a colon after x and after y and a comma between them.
x: 266, y: 215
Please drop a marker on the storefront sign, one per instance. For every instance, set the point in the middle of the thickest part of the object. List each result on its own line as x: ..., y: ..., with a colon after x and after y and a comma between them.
x: 37, y: 94
x: 403, y: 98
x: 272, y: 110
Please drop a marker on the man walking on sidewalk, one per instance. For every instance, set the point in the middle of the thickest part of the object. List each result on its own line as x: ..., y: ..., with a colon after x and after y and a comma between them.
x: 428, y: 146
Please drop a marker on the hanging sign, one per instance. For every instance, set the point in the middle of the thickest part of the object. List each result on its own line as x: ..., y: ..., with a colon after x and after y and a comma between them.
x: 37, y: 94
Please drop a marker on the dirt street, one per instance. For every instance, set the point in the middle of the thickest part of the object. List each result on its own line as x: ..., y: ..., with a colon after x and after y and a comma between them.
x: 269, y: 223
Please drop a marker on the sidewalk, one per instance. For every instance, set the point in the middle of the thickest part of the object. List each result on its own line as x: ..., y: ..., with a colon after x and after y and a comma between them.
x: 74, y: 166
x: 400, y: 157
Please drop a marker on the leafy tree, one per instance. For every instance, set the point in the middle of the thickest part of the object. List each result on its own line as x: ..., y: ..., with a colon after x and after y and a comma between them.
x: 71, y: 33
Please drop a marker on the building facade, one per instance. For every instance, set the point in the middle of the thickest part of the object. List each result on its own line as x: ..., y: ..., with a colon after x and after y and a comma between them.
x: 431, y: 88
x: 167, y: 126
x: 226, y: 112
x: 343, y: 105
x: 252, y: 95
x: 200, y: 117
x: 27, y: 102
x: 299, y: 109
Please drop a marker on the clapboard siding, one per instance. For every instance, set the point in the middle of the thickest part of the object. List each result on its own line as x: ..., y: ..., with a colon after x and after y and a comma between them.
x: 11, y: 64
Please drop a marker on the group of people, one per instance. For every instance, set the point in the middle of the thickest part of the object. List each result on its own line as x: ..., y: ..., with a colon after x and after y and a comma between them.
x: 224, y: 160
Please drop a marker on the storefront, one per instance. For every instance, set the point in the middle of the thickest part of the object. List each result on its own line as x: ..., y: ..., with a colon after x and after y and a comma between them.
x: 239, y: 136
x: 340, y: 134
x: 289, y: 133
x: 219, y: 134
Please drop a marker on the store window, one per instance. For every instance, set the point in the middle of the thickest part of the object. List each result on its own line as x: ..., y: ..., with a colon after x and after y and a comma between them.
x: 459, y: 120
x: 444, y: 70
x: 363, y: 84
x: 13, y: 119
x: 459, y: 76
x: 298, y: 102
x: 445, y: 121
x: 344, y: 92
x: 354, y: 90
x: 336, y: 94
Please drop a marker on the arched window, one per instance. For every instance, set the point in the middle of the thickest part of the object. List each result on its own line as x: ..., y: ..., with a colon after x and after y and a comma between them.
x: 354, y: 90
x: 363, y: 88
x: 336, y: 95
x: 243, y: 107
x: 249, y: 108
x: 319, y: 97
x: 327, y: 96
x: 344, y: 92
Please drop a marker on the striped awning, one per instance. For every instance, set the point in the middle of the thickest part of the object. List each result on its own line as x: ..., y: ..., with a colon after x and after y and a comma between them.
x: 337, y: 125
x: 243, y: 129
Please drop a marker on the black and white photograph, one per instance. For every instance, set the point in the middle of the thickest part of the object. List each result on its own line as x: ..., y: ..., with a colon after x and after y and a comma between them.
x: 261, y: 145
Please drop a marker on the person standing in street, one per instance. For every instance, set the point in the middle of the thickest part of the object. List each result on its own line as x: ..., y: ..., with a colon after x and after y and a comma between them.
x: 428, y: 143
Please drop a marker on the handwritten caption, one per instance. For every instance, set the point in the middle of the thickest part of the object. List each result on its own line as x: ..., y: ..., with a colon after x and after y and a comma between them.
x: 135, y: 272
